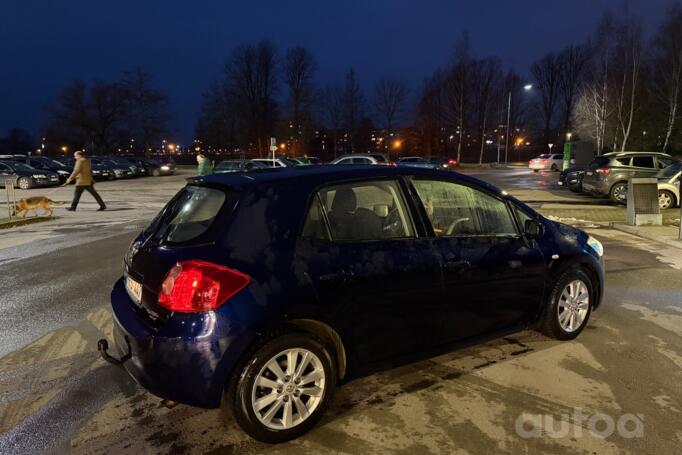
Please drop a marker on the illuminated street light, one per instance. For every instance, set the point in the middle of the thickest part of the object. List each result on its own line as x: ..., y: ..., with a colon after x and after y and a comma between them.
x: 528, y: 87
x: 568, y: 136
x: 65, y: 148
x: 397, y: 144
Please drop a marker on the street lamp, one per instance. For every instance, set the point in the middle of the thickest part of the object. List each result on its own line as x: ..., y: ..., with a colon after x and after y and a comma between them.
x: 527, y: 88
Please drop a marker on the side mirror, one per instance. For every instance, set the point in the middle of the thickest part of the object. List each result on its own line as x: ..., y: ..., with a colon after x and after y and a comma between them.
x: 531, y: 229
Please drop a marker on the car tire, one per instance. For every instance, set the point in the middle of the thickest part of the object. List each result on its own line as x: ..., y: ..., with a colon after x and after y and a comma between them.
x: 536, y: 170
x: 569, y: 306
x: 554, y: 168
x: 156, y: 172
x: 25, y: 183
x: 269, y: 423
x: 666, y: 199
x: 617, y: 190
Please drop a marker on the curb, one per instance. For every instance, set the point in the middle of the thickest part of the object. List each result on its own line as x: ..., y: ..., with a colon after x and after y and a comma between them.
x: 634, y: 230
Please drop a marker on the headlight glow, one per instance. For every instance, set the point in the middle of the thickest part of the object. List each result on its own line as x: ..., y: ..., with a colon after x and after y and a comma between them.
x: 596, y: 245
x: 38, y: 176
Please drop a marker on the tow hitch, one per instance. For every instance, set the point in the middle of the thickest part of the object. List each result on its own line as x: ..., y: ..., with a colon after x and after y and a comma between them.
x: 103, y: 347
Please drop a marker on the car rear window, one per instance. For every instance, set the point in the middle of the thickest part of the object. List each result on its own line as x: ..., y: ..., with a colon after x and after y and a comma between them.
x: 599, y: 162
x: 189, y: 215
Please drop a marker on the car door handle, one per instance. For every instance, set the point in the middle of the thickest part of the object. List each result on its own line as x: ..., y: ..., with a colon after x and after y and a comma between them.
x: 455, y: 266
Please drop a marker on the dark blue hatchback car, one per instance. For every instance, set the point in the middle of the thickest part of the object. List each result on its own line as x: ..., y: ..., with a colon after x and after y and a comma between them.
x: 265, y: 289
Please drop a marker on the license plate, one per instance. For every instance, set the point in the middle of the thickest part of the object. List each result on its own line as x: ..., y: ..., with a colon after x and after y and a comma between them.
x: 134, y: 289
x: 561, y: 183
x: 588, y: 173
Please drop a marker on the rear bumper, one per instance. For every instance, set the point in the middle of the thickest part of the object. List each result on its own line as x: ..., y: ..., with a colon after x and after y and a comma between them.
x: 539, y: 167
x: 187, y: 359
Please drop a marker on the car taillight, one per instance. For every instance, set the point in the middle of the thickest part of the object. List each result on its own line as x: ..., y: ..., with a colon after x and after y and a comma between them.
x: 604, y: 170
x: 452, y: 162
x: 194, y: 286
x: 545, y: 161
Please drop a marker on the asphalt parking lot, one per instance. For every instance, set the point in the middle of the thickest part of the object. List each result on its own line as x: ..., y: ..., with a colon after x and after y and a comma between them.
x: 509, y: 395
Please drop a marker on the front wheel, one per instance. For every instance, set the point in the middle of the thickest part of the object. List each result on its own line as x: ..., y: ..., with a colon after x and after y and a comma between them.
x: 283, y: 388
x: 665, y: 199
x: 25, y: 183
x: 569, y: 307
x: 554, y: 168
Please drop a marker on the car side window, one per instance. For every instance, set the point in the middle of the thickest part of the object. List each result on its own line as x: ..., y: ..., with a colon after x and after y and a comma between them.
x: 623, y: 161
x: 521, y: 216
x: 643, y: 161
x: 459, y: 210
x: 314, y: 226
x: 558, y: 157
x: 370, y: 210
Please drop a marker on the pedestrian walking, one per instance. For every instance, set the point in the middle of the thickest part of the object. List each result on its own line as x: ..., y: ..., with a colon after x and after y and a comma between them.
x: 82, y: 173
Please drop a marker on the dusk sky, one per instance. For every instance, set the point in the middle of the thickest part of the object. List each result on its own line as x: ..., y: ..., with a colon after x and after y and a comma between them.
x: 46, y: 44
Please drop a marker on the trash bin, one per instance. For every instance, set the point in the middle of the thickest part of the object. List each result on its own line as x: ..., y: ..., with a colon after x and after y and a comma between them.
x: 643, y: 206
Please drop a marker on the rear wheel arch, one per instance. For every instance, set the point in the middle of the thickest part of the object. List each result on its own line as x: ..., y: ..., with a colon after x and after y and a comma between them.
x: 330, y: 337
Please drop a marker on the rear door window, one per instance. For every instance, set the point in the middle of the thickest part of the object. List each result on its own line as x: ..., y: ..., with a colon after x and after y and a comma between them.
x: 190, y: 214
x: 643, y: 161
x: 370, y: 210
x: 624, y: 161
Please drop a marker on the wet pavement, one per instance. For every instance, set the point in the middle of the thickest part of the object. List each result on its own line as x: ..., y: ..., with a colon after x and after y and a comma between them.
x: 58, y: 396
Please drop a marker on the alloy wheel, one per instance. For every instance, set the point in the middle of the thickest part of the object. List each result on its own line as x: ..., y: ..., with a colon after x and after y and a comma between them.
x: 288, y: 389
x: 574, y: 304
x: 620, y: 192
x: 24, y: 183
x: 664, y: 200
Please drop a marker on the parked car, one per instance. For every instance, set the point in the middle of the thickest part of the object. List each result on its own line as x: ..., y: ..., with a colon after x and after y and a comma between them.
x: 572, y: 178
x: 669, y: 186
x: 101, y: 170
x: 444, y: 164
x: 308, y: 159
x: 364, y: 158
x: 416, y: 161
x: 547, y: 162
x: 150, y: 167
x: 120, y: 170
x: 608, y: 175
x: 277, y: 162
x: 41, y: 162
x: 266, y: 289
x: 228, y: 166
x: 121, y: 162
x: 26, y: 177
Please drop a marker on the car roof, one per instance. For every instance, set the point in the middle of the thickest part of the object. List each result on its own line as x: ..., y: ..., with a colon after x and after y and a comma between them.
x: 611, y: 154
x: 328, y: 174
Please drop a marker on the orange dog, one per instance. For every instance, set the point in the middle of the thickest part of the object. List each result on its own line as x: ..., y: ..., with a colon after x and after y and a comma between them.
x: 32, y: 203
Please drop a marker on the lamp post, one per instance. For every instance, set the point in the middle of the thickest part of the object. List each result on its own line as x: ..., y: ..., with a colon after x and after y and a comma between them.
x: 528, y: 88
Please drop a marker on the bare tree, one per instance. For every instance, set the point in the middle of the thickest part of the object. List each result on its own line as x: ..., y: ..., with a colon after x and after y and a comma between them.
x: 353, y: 102
x: 93, y: 114
x: 146, y: 110
x: 218, y: 122
x: 667, y: 79
x: 431, y: 116
x: 628, y: 60
x: 332, y: 102
x: 546, y: 72
x: 573, y: 64
x: 390, y: 96
x: 487, y: 90
x: 251, y: 76
x: 299, y: 67
x: 457, y: 87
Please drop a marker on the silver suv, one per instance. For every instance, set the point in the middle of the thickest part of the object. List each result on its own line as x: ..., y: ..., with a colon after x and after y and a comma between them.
x: 608, y: 175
